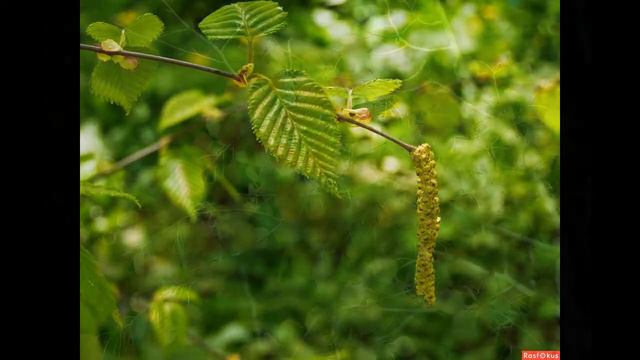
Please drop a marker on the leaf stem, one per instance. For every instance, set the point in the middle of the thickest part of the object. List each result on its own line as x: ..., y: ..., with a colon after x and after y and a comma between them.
x: 250, y: 50
x: 408, y: 147
x: 162, y: 59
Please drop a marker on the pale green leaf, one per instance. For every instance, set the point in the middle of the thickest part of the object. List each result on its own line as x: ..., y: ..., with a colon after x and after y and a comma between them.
x: 295, y: 122
x: 176, y: 294
x: 374, y: 89
x: 120, y: 86
x: 91, y: 190
x: 90, y: 348
x: 97, y: 302
x: 142, y: 31
x: 337, y: 96
x: 181, y: 173
x: 381, y: 107
x: 184, y: 106
x: 547, y: 100
x: 87, y: 157
x: 335, y: 91
x: 168, y: 316
x: 169, y: 321
x: 244, y: 19
x: 101, y: 31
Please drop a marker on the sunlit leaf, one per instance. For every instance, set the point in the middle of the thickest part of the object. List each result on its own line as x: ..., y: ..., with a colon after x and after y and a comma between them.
x: 547, y: 102
x: 182, y: 176
x: 244, y: 19
x: 381, y: 107
x: 101, y: 31
x: 183, y: 106
x: 92, y: 190
x: 120, y: 86
x: 294, y: 120
x: 169, y: 321
x: 374, y: 89
x: 142, y: 31
x: 176, y: 293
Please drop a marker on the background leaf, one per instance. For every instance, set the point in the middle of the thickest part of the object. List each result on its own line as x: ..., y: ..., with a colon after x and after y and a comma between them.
x: 337, y: 95
x: 101, y: 31
x: 244, y: 19
x: 382, y: 107
x: 92, y: 190
x: 120, y: 86
x: 295, y: 122
x: 168, y: 315
x: 374, y: 89
x: 97, y: 303
x: 548, y: 105
x: 142, y: 31
x: 181, y: 173
x: 176, y: 293
x: 184, y: 106
x: 169, y: 322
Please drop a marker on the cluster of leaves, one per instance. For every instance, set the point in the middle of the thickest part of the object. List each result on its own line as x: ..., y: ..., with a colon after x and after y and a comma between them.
x: 291, y: 115
x: 116, y: 81
x: 284, y: 271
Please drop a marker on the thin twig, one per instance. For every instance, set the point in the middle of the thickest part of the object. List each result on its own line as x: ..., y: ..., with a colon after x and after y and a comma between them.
x: 140, y: 154
x: 161, y: 59
x: 144, y: 152
x: 408, y: 147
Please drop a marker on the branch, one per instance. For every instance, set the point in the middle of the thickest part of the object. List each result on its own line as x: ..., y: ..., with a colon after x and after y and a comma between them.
x: 162, y: 59
x: 408, y: 147
x: 155, y: 147
x: 144, y: 152
x: 140, y: 154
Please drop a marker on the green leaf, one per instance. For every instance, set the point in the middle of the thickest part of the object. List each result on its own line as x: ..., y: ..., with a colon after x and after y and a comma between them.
x: 182, y: 175
x: 374, y: 89
x: 337, y: 96
x: 142, y: 31
x: 101, y: 31
x: 175, y: 293
x: 168, y: 316
x: 295, y: 122
x: 184, y: 106
x: 87, y: 157
x: 120, y: 86
x: 547, y: 100
x: 169, y: 321
x: 91, y: 190
x: 381, y: 107
x: 439, y: 109
x: 97, y: 302
x: 335, y: 91
x: 90, y: 347
x: 244, y: 19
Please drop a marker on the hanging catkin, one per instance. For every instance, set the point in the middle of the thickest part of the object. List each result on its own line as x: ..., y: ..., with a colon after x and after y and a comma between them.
x: 428, y: 221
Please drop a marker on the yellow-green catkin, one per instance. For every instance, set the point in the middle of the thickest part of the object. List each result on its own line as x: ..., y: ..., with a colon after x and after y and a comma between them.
x: 428, y: 221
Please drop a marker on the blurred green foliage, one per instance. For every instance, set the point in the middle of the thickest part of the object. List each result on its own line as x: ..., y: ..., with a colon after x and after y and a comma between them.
x: 272, y: 266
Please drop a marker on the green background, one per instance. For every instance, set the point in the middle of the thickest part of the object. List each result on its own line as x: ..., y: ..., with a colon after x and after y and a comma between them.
x: 285, y: 270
